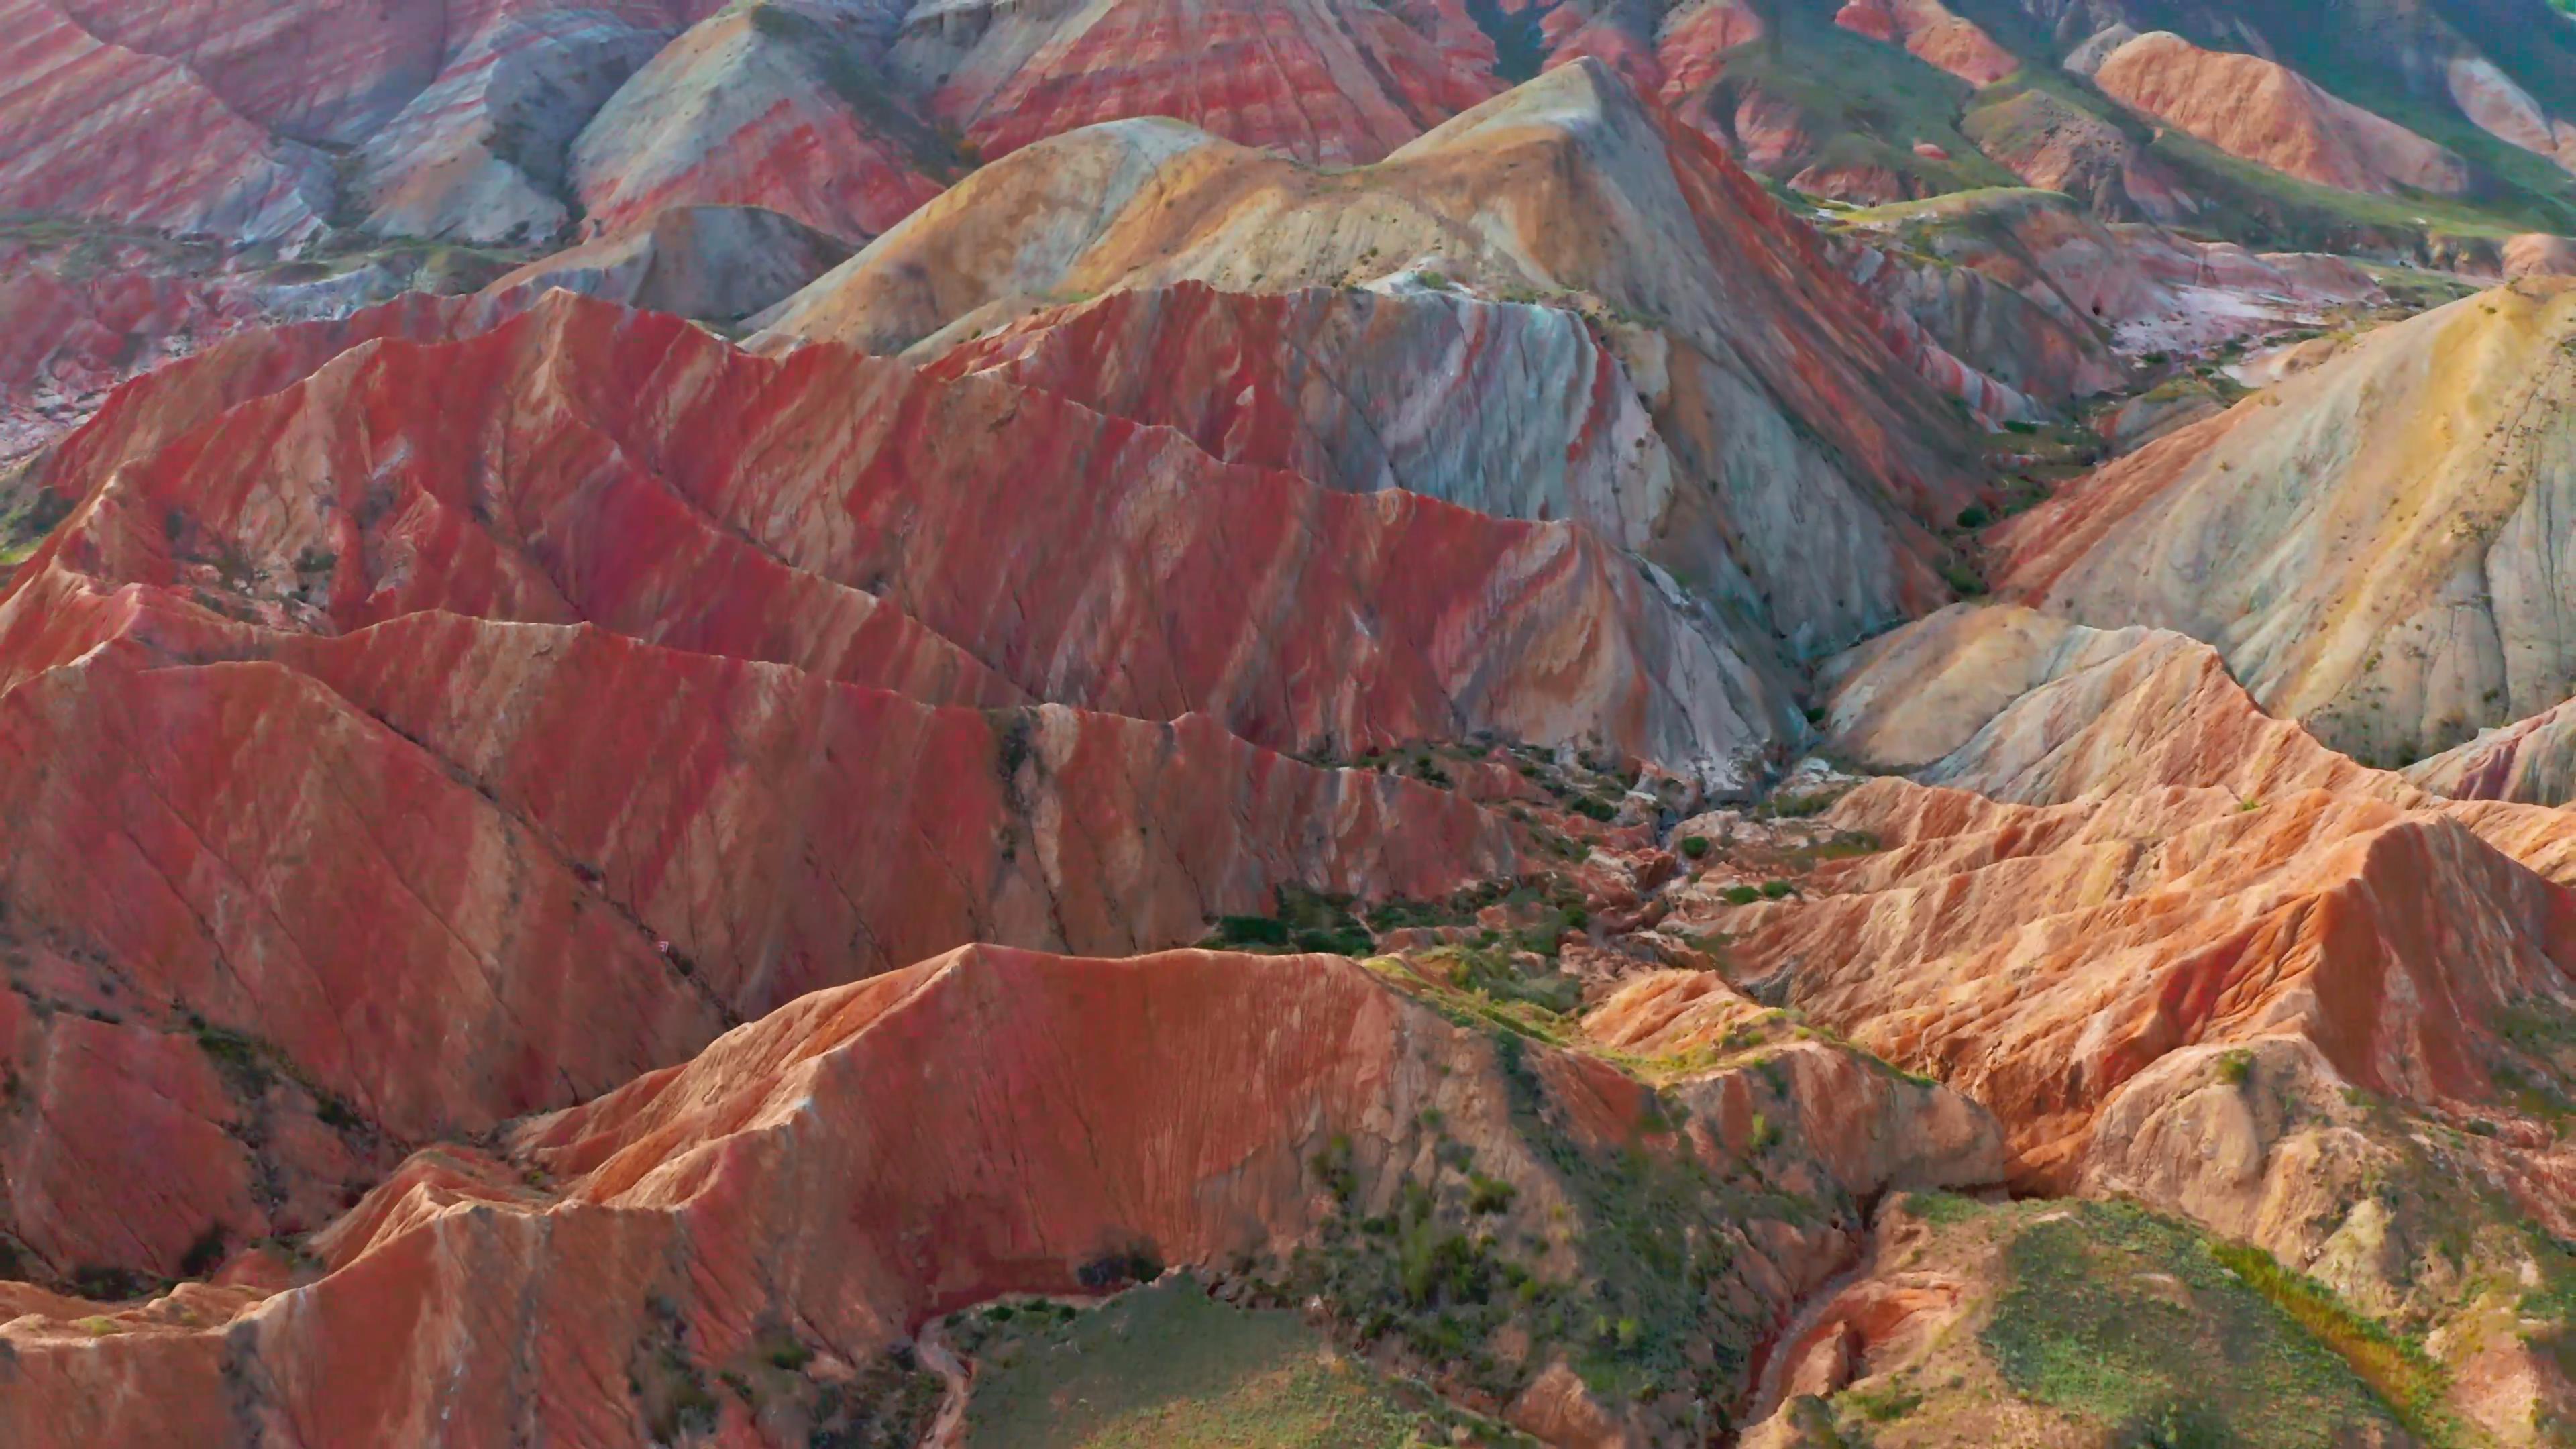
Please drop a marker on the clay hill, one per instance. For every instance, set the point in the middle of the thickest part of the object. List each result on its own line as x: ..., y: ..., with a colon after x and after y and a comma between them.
x: 1576, y: 723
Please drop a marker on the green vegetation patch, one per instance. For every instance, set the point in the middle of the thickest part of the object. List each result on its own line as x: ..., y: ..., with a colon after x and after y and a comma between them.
x: 1167, y: 1367
x: 2116, y: 1315
x: 1866, y: 103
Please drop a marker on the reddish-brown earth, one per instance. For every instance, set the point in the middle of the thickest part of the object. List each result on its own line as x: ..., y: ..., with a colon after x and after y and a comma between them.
x: 870, y: 1157
x: 578, y: 875
x: 1322, y: 80
x: 2266, y: 113
x: 758, y: 106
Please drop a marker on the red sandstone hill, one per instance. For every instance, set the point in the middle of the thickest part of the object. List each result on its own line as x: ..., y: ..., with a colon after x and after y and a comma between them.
x: 990, y: 1121
x: 574, y: 874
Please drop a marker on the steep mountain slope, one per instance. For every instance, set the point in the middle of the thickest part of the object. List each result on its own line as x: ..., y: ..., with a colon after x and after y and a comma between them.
x: 2368, y: 544
x: 760, y: 105
x: 1094, y: 1114
x: 2262, y: 112
x: 1823, y: 453
x: 1322, y: 80
x: 607, y: 857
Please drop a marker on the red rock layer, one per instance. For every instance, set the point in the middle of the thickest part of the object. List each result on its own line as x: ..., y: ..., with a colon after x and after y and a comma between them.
x: 758, y: 106
x: 314, y: 70
x: 1934, y: 34
x: 331, y: 788
x: 150, y: 410
x: 869, y: 1158
x: 2040, y: 957
x: 2266, y: 113
x: 1322, y: 80
x: 97, y: 131
x: 1083, y: 559
x: 1695, y: 41
x: 1761, y: 343
x: 580, y: 855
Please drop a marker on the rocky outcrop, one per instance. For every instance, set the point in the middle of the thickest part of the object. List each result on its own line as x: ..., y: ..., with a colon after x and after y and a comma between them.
x: 579, y: 925
x: 2364, y: 543
x: 2019, y: 706
x: 2041, y: 352
x: 763, y: 106
x: 2532, y: 761
x: 2263, y: 112
x: 539, y: 420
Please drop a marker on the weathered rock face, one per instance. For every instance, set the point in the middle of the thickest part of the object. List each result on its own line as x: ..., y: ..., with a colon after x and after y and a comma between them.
x: 1738, y: 377
x: 2532, y: 761
x: 1322, y: 80
x: 2157, y: 904
x: 2534, y: 255
x: 1369, y: 390
x: 2263, y: 112
x: 789, y: 589
x: 2019, y: 706
x: 1935, y: 35
x: 577, y: 931
x: 2044, y: 353
x: 87, y: 126
x: 2148, y: 289
x: 2364, y: 544
x: 2050, y: 142
x: 715, y: 263
x: 2227, y: 973
x: 479, y: 154
x: 763, y: 106
x: 700, y: 1219
x: 2488, y: 97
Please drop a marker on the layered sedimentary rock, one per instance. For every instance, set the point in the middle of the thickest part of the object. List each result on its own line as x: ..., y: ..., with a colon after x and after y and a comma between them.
x: 479, y: 154
x: 2051, y: 142
x: 2368, y: 544
x: 2020, y: 706
x: 2491, y: 99
x: 2201, y: 961
x: 718, y: 263
x: 79, y: 321
x: 1743, y: 352
x: 2264, y: 112
x: 2045, y: 353
x: 1086, y: 524
x: 701, y: 1221
x: 370, y: 536
x: 1935, y: 34
x: 94, y: 130
x: 763, y: 106
x: 469, y: 849
x: 1368, y: 390
x: 1322, y: 80
x: 2531, y: 760
x: 2151, y: 290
